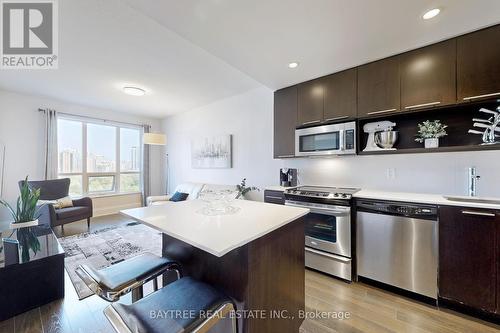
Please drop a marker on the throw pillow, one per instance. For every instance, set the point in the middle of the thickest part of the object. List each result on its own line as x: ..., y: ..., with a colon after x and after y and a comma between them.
x: 64, y: 202
x: 179, y: 196
x: 49, y: 202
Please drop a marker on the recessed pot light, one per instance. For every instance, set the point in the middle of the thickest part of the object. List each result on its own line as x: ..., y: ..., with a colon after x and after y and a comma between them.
x: 293, y: 65
x: 431, y: 13
x: 134, y: 91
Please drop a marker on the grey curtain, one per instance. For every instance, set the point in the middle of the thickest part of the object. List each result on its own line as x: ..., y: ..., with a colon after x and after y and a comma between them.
x: 50, y: 152
x: 146, y: 171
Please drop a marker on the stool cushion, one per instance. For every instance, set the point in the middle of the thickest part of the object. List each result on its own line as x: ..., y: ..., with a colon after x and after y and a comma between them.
x: 178, y: 307
x: 120, y: 275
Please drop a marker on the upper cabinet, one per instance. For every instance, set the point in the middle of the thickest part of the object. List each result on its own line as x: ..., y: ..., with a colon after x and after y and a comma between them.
x: 310, y: 102
x: 340, y: 95
x: 327, y: 99
x: 478, y: 65
x: 379, y: 87
x: 448, y: 74
x: 285, y: 120
x: 428, y: 76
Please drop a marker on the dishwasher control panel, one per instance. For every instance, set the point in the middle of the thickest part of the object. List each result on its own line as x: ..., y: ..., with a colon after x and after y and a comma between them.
x: 397, y: 208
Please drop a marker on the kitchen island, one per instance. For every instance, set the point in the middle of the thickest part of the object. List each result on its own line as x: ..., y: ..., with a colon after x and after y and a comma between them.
x: 256, y: 256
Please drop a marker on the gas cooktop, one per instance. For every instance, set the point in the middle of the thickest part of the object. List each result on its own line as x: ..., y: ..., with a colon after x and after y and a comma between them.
x: 323, y: 192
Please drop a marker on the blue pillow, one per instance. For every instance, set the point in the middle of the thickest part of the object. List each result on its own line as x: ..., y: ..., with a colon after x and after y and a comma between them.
x: 179, y: 196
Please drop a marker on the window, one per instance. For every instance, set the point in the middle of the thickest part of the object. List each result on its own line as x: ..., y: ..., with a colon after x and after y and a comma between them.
x: 98, y: 157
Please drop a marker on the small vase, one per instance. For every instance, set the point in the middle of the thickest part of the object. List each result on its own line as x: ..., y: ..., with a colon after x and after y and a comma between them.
x: 432, y: 143
x: 24, y: 224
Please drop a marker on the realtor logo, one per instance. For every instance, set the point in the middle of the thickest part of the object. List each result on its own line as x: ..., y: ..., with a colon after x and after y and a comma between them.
x: 29, y: 34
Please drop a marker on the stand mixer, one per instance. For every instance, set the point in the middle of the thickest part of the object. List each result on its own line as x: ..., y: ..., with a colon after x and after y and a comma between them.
x: 380, y: 126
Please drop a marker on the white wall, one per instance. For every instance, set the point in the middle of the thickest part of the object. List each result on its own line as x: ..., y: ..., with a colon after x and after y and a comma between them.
x: 22, y: 132
x: 249, y: 117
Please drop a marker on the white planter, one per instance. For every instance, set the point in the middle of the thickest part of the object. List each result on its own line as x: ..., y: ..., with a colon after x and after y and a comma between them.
x: 24, y: 224
x: 431, y: 143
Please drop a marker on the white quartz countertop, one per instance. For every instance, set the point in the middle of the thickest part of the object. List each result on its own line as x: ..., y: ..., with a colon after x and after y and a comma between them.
x: 433, y: 199
x: 277, y: 188
x: 216, y: 235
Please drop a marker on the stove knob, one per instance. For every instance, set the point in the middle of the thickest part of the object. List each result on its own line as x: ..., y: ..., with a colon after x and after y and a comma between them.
x: 344, y: 195
x: 336, y: 195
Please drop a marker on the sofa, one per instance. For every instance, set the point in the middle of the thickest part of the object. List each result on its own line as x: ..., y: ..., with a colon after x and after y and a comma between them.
x: 194, y: 191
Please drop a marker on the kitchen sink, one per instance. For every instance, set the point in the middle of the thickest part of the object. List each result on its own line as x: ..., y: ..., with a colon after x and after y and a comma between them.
x: 473, y: 199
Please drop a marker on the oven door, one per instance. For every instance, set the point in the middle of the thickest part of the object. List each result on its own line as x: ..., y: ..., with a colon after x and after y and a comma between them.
x: 327, y: 228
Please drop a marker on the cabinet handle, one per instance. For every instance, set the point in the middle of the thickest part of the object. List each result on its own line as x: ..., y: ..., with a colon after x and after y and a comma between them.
x: 283, y: 156
x: 481, y: 96
x: 421, y: 105
x: 328, y: 255
x: 273, y: 197
x: 336, y: 118
x: 311, y: 122
x: 470, y: 212
x: 382, y: 111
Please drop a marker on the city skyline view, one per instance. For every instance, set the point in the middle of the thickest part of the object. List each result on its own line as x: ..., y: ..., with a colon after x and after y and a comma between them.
x: 101, y: 156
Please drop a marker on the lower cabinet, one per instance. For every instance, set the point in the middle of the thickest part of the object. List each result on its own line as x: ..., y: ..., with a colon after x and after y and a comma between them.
x: 275, y: 197
x: 469, y: 257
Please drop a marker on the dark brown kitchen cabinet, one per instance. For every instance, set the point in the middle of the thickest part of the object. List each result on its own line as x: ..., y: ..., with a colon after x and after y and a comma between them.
x: 379, y: 87
x: 498, y: 268
x: 468, y: 256
x: 275, y: 197
x: 310, y: 102
x: 285, y: 120
x: 478, y: 65
x: 428, y: 76
x: 340, y: 95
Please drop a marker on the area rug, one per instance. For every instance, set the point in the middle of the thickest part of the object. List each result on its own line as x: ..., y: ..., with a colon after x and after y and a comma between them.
x: 105, y: 247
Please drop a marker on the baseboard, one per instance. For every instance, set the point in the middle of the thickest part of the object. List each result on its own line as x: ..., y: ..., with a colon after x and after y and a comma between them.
x: 114, y: 209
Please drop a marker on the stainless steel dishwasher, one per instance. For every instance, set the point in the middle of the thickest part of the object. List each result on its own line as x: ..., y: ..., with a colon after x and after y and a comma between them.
x: 397, y: 245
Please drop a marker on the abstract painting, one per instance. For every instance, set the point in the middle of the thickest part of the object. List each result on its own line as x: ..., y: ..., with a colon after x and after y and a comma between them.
x: 212, y: 152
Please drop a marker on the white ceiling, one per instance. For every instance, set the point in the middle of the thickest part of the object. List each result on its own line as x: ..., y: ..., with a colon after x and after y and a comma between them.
x: 193, y: 52
x: 260, y: 37
x: 104, y: 45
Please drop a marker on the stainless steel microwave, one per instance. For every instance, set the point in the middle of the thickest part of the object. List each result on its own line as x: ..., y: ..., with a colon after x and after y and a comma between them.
x: 334, y: 139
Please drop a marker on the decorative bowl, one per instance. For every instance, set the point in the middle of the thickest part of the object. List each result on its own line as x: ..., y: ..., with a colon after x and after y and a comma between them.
x: 218, y: 202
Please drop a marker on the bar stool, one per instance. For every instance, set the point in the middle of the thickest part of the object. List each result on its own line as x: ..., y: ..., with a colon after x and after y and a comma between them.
x: 185, y: 305
x: 112, y: 282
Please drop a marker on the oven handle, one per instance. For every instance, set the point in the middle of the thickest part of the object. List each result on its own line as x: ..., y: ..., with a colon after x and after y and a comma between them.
x: 328, y: 255
x: 326, y: 211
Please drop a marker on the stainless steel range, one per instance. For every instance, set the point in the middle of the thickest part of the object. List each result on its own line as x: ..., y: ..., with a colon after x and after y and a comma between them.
x: 328, y: 227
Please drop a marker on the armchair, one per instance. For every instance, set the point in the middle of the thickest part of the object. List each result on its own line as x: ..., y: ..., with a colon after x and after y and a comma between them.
x: 57, y: 189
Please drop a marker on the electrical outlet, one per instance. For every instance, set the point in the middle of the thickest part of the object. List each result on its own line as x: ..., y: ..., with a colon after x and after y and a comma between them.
x: 391, y: 173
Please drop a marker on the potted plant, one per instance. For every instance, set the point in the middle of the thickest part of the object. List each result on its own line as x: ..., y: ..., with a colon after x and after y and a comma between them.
x: 244, y: 189
x: 26, y: 213
x: 429, y: 133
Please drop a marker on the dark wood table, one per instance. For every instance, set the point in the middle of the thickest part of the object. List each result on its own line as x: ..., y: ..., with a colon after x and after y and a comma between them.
x: 37, y: 279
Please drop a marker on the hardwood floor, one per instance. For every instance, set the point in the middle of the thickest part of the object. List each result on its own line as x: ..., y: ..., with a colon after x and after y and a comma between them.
x: 374, y: 310
x: 369, y: 309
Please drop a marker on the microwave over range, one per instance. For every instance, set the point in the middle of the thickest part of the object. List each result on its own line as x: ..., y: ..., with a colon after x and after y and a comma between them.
x: 334, y: 139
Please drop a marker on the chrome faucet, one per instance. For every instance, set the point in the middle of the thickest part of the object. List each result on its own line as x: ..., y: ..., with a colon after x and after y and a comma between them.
x: 472, y: 184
